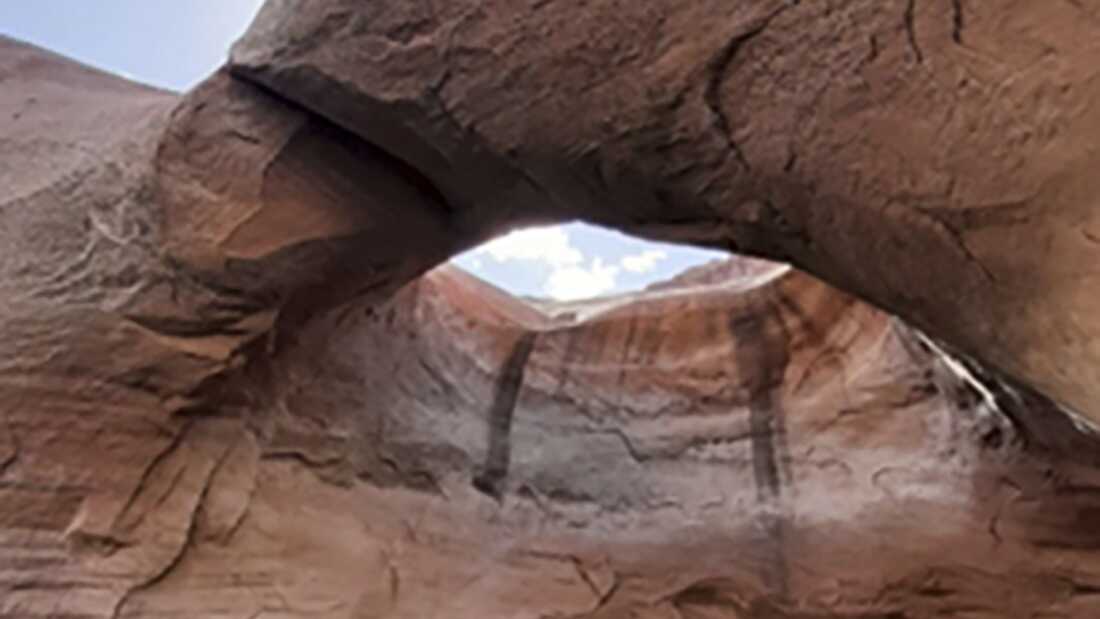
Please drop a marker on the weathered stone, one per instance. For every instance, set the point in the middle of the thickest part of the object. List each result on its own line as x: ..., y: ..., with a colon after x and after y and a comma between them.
x: 149, y: 245
x: 225, y: 389
x: 760, y: 448
x: 934, y: 157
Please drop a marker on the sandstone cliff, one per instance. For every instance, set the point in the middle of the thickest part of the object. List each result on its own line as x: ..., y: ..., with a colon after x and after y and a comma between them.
x: 754, y: 448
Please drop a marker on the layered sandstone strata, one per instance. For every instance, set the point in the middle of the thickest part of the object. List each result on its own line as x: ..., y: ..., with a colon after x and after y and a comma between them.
x: 227, y: 390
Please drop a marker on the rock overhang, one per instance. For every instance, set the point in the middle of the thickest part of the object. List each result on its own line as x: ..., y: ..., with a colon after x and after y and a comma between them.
x: 893, y: 175
x: 208, y: 374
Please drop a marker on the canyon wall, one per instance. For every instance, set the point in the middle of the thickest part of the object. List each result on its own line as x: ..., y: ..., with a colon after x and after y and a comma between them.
x: 228, y: 387
x: 763, y: 447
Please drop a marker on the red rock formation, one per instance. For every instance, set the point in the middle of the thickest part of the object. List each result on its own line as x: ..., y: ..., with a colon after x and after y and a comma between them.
x: 222, y: 396
x: 933, y: 157
x: 772, y: 450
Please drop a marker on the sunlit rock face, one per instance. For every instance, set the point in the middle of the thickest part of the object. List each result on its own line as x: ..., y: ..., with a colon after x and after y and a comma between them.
x: 228, y: 389
x: 760, y: 447
x: 757, y: 446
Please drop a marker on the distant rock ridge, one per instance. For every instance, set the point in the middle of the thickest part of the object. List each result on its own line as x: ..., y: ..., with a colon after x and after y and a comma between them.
x: 719, y: 271
x: 738, y: 271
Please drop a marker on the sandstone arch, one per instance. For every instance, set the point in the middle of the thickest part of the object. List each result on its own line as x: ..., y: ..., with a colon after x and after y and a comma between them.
x: 216, y: 401
x: 948, y: 139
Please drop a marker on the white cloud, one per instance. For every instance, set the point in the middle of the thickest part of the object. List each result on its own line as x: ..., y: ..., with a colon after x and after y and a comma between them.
x: 643, y: 262
x: 571, y: 274
x: 550, y: 245
x: 578, y: 282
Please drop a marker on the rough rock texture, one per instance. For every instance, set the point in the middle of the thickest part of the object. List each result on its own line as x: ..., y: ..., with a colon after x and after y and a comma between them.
x: 227, y: 391
x: 764, y: 448
x: 932, y: 156
x: 148, y: 245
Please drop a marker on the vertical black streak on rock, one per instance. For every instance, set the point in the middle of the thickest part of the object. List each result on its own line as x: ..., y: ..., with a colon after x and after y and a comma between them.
x: 753, y: 352
x: 499, y: 452
x: 567, y: 358
x: 628, y: 345
x: 760, y: 346
x: 784, y: 342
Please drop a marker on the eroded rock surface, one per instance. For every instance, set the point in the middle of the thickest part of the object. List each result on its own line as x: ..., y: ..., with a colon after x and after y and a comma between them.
x: 932, y: 156
x: 226, y: 391
x: 766, y: 447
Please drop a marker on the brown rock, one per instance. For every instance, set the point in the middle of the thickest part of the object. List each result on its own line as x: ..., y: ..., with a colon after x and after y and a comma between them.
x: 932, y: 157
x: 769, y: 450
x: 220, y: 394
x: 149, y: 245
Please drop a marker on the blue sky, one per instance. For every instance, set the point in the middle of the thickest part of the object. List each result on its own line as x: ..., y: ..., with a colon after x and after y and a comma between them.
x: 168, y: 43
x: 577, y: 261
x: 174, y: 44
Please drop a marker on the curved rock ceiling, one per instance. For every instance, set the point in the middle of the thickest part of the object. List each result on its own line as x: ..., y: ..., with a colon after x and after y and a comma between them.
x: 231, y: 387
x: 933, y: 157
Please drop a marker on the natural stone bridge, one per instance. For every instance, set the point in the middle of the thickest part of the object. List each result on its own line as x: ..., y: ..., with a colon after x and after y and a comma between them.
x: 228, y: 388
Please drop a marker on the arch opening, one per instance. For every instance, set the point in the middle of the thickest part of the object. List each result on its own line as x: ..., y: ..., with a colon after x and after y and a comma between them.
x: 429, y: 445
x: 578, y: 261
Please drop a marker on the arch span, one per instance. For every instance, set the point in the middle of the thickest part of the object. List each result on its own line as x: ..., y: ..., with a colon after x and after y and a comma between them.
x: 215, y: 377
x: 932, y: 157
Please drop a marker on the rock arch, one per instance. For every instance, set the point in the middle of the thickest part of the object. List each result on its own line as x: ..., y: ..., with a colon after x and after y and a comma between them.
x: 220, y: 396
x: 947, y: 139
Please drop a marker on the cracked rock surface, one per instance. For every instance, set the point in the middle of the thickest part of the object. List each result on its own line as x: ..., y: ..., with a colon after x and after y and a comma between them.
x: 232, y: 384
x: 952, y: 140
